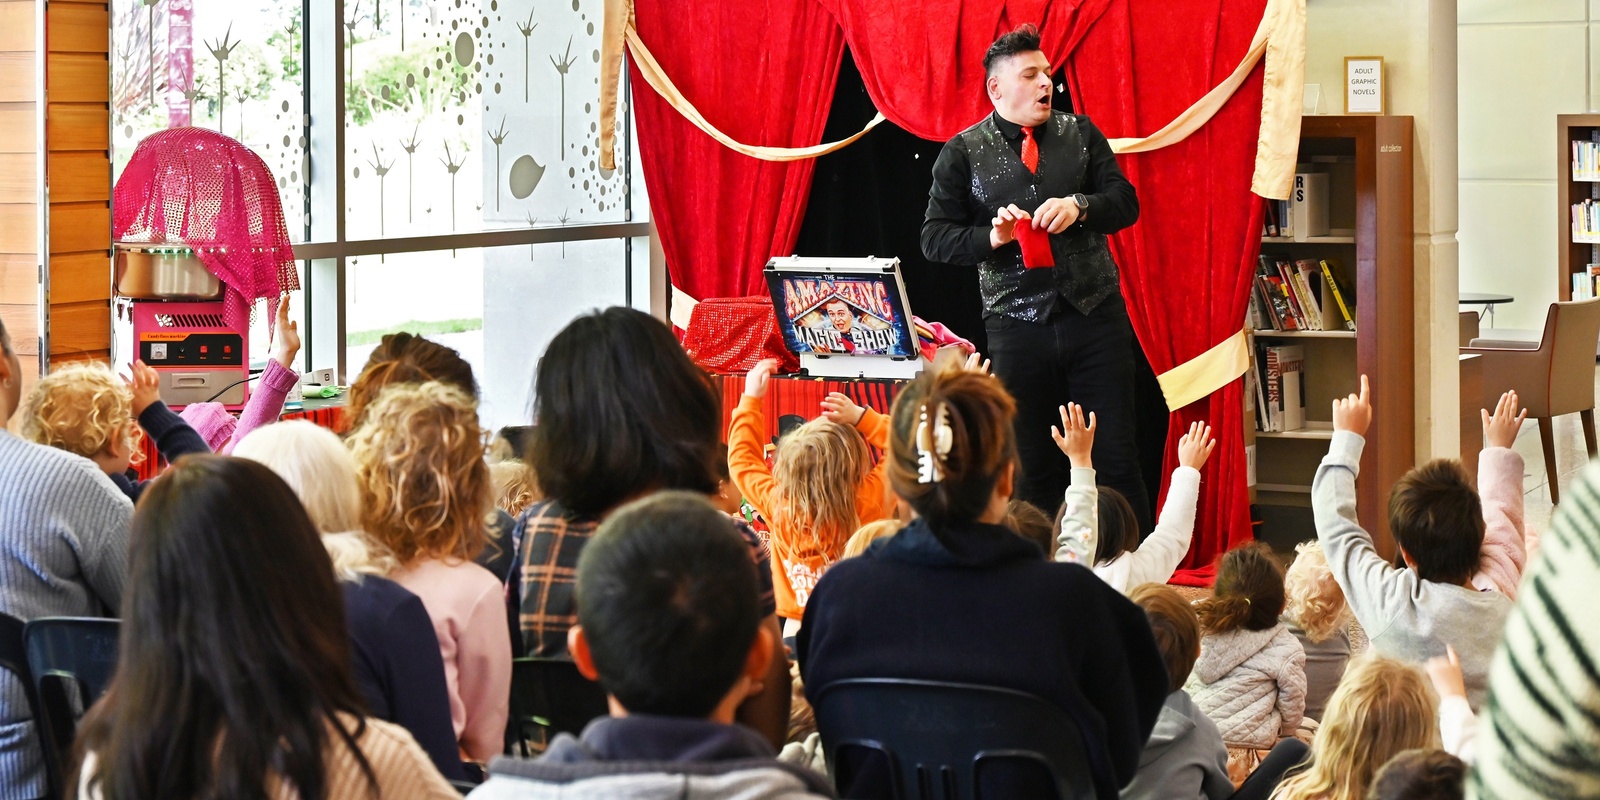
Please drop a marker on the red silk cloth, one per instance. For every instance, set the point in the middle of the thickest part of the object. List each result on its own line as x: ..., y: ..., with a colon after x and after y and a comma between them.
x: 728, y: 336
x: 764, y: 73
x: 1186, y: 264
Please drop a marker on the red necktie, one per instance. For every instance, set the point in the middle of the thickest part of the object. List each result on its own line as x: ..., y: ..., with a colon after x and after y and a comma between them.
x: 1030, y: 150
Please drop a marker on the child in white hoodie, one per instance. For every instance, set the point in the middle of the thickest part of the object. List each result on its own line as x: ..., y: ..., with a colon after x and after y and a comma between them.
x: 1251, y: 676
x: 1119, y: 558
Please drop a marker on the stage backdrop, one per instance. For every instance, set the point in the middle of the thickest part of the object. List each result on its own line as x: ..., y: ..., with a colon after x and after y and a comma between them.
x: 763, y: 72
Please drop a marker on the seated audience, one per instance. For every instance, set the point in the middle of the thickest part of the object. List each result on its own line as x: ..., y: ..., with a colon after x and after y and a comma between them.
x: 406, y: 358
x: 1077, y: 526
x: 1437, y: 523
x: 232, y: 673
x: 869, y: 533
x: 1251, y: 675
x: 1027, y: 521
x: 1543, y: 716
x: 1420, y: 775
x: 425, y: 491
x: 1121, y: 559
x: 1382, y: 708
x: 1317, y: 615
x: 622, y: 412
x: 1184, y: 757
x: 395, y: 657
x: 954, y: 596
x: 822, y: 485
x: 63, y: 552
x: 670, y: 624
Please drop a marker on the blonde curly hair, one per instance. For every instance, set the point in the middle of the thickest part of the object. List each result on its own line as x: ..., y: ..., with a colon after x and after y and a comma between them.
x: 818, y: 469
x: 515, y: 487
x: 424, y: 483
x: 1316, y: 603
x: 79, y: 408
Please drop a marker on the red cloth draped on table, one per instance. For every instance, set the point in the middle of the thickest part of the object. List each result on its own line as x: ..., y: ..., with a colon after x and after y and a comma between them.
x: 763, y: 72
x: 1186, y: 265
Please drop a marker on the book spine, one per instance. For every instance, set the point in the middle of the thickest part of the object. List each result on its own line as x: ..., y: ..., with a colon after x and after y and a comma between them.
x: 1338, y: 297
x: 1274, y: 391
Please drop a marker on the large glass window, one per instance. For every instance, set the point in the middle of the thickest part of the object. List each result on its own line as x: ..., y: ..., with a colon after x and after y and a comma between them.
x: 437, y: 162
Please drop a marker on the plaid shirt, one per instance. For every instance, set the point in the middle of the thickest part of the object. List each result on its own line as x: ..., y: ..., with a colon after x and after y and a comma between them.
x: 548, y: 542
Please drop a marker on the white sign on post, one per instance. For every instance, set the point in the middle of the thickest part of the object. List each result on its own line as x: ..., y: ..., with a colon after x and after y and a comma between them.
x: 1363, y: 80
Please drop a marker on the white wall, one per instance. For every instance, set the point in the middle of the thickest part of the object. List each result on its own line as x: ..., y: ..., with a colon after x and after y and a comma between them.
x: 1417, y: 39
x: 1521, y: 63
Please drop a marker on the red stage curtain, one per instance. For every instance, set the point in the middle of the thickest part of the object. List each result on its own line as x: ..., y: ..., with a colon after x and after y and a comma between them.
x: 762, y: 72
x: 1187, y: 264
x: 923, y: 62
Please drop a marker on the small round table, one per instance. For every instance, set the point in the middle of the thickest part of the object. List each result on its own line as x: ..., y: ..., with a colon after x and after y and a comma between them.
x: 1488, y: 301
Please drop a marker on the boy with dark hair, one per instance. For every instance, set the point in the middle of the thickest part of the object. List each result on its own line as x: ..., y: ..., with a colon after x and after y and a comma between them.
x: 1185, y: 756
x: 1420, y: 775
x: 669, y: 623
x: 1437, y: 520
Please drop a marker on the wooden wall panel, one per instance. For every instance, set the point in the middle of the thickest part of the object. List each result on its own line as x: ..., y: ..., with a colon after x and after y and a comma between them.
x: 19, y: 182
x: 17, y: 76
x: 79, y: 277
x: 74, y: 126
x: 78, y: 78
x: 17, y: 29
x: 80, y: 227
x: 22, y: 325
x: 19, y: 279
x: 78, y: 177
x: 19, y: 128
x: 79, y: 328
x: 19, y: 228
x: 79, y: 28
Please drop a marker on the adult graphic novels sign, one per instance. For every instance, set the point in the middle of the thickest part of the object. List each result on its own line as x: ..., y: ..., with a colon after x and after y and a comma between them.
x: 831, y: 314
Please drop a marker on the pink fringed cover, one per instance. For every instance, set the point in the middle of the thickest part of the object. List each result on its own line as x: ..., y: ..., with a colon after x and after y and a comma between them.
x: 214, y: 194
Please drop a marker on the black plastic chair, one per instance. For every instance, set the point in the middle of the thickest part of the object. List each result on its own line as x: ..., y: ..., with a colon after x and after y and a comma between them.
x: 549, y: 696
x: 14, y: 659
x: 72, y: 660
x: 932, y: 740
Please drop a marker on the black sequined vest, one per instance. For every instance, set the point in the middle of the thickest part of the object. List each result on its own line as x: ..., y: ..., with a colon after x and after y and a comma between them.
x: 1084, y: 273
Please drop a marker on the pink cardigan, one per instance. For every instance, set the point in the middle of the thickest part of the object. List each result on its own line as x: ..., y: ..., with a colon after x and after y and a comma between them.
x: 1506, y: 541
x: 468, y: 607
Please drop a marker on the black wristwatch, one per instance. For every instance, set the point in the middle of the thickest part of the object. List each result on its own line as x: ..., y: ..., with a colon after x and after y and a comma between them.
x: 1082, y: 202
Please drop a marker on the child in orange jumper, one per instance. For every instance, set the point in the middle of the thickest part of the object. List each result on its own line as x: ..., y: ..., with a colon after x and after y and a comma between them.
x: 822, y: 485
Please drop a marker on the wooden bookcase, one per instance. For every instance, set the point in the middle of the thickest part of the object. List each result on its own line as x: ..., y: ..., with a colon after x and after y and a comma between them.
x: 1573, y: 257
x: 1369, y: 161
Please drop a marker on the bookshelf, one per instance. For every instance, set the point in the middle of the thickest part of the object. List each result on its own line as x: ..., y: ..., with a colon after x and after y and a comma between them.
x: 1574, y: 251
x: 1369, y: 163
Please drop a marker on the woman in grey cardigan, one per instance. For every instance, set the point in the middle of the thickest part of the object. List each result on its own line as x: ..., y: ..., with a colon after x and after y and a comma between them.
x: 63, y: 552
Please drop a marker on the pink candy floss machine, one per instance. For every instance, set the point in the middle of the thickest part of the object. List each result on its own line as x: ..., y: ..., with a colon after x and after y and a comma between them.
x: 200, y: 237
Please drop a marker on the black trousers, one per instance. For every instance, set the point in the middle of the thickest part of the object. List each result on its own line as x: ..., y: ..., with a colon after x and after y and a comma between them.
x: 1078, y: 358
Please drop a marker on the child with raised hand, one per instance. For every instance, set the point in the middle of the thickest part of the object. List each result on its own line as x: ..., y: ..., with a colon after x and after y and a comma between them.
x: 1077, y: 523
x: 1438, y: 525
x: 86, y: 410
x: 1251, y: 675
x: 822, y: 485
x: 1120, y: 559
x: 218, y: 427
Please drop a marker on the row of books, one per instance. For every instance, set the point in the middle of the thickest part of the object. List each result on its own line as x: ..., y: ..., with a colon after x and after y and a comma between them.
x: 1585, y: 161
x: 1586, y: 284
x: 1300, y: 296
x: 1585, y: 220
x: 1304, y: 214
x: 1277, y: 384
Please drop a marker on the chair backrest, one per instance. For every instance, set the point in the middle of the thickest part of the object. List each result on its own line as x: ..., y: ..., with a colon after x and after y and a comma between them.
x: 1572, y: 330
x: 14, y: 659
x: 1467, y: 328
x: 952, y: 741
x: 72, y: 660
x: 549, y: 696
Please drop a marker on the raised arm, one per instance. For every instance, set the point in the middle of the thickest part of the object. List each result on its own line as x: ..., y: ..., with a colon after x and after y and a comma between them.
x: 1155, y: 560
x: 1080, y: 518
x: 265, y: 405
x: 172, y: 435
x: 872, y: 497
x: 1505, y: 552
x: 746, y: 467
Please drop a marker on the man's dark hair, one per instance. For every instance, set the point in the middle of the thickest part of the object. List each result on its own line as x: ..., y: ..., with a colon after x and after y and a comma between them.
x: 1436, y: 517
x: 669, y: 603
x: 621, y: 411
x: 1025, y: 39
x: 1420, y: 775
